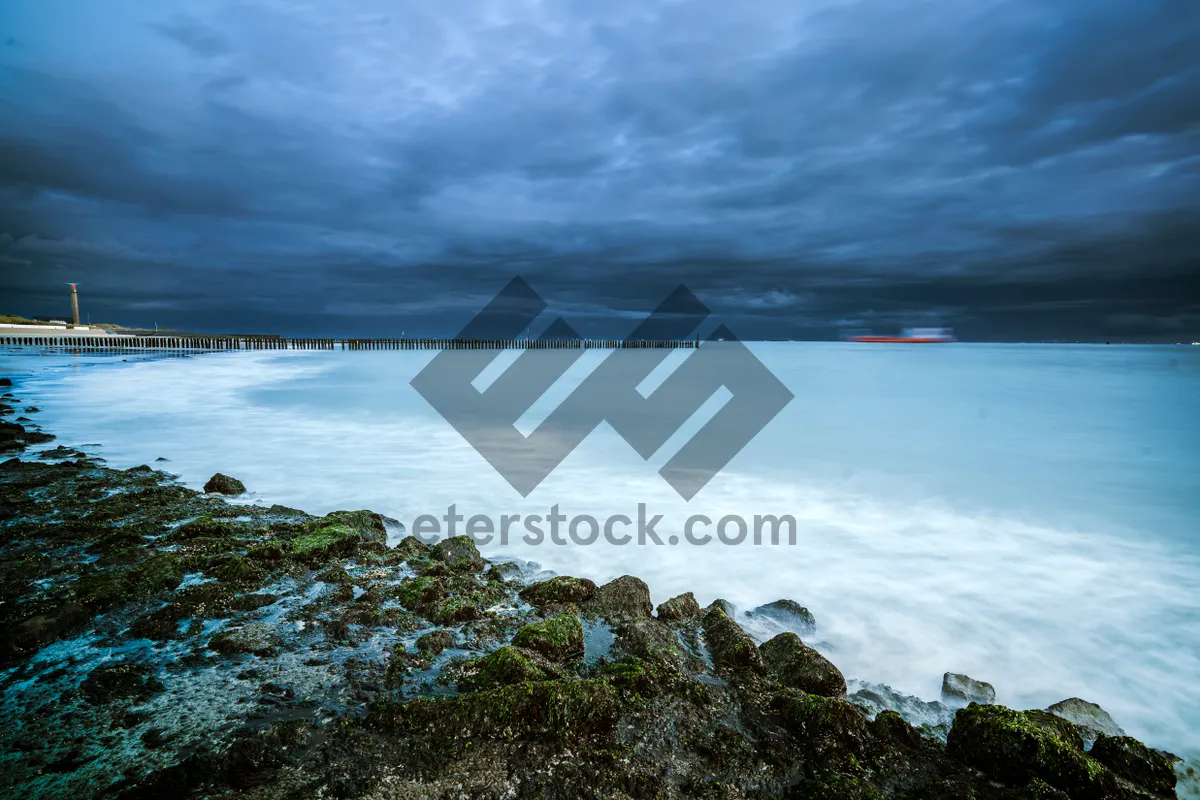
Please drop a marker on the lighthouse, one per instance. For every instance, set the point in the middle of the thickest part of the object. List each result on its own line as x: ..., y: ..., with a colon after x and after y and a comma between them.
x: 75, y: 304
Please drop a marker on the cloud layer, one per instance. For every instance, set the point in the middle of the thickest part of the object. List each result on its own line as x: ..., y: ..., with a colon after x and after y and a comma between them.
x: 1016, y: 169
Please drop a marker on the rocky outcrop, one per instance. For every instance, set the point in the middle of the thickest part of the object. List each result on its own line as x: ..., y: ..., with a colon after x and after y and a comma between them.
x: 1089, y: 718
x: 303, y: 655
x: 732, y: 649
x: 626, y: 597
x: 559, y: 638
x: 459, y: 553
x: 558, y: 592
x: 681, y: 607
x: 1136, y: 763
x: 958, y: 690
x: 788, y: 613
x: 798, y: 666
x: 223, y: 484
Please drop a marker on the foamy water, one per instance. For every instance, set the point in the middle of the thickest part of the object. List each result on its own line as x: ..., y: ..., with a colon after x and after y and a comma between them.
x: 1026, y: 515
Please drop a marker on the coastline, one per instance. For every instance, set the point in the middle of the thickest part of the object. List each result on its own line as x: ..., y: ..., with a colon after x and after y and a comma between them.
x: 159, y: 640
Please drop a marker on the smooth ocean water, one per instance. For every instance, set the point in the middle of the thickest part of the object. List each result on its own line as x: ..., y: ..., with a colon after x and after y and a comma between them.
x: 1028, y: 515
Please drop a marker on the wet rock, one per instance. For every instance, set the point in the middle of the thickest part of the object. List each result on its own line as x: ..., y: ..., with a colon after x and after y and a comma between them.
x: 255, y: 638
x: 503, y: 667
x: 36, y: 632
x: 826, y: 726
x: 798, y: 666
x: 1008, y: 747
x: 732, y: 648
x: 626, y: 597
x: 161, y: 458
x: 727, y: 608
x: 931, y: 718
x: 112, y: 682
x: 223, y: 484
x: 566, y: 711
x: 559, y: 638
x: 435, y: 642
x: 1136, y: 763
x: 6, y: 382
x: 335, y: 574
x: 32, y: 409
x: 681, y: 607
x: 788, y: 613
x: 1063, y: 729
x: 338, y: 534
x: 959, y: 690
x: 62, y: 452
x: 459, y: 554
x: 652, y: 641
x: 1091, y: 719
x: 559, y: 591
x: 890, y: 726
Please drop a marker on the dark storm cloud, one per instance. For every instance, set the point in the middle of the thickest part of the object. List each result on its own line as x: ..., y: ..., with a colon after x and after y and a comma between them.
x: 1015, y: 169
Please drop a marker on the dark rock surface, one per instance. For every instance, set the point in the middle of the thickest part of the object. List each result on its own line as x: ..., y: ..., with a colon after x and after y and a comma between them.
x: 223, y: 484
x: 959, y: 690
x: 788, y: 613
x: 797, y: 665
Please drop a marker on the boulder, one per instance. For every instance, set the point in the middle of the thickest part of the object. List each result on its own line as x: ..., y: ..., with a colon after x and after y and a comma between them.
x: 795, y: 664
x: 626, y: 597
x: 788, y: 613
x: 959, y: 690
x: 681, y: 607
x: 559, y: 591
x: 503, y: 667
x: 1089, y: 718
x: 436, y: 641
x: 459, y: 554
x: 559, y: 638
x: 650, y: 640
x: 1136, y: 763
x: 731, y: 647
x: 727, y: 608
x: 1006, y: 746
x: 5, y: 382
x: 223, y: 484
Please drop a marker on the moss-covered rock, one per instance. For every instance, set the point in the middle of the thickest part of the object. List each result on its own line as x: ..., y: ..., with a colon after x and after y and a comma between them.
x: 459, y: 554
x: 559, y: 591
x: 559, y: 638
x: 795, y: 664
x: 436, y: 641
x: 626, y: 597
x: 825, y: 726
x: 652, y: 641
x: 505, y: 666
x: 680, y: 607
x: 1136, y: 763
x: 223, y: 484
x: 1009, y: 747
x: 569, y: 711
x: 732, y: 649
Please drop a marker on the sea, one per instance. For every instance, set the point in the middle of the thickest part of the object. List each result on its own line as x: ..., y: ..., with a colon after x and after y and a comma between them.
x: 1028, y: 515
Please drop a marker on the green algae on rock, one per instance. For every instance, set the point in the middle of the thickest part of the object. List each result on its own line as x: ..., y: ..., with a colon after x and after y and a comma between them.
x: 559, y: 638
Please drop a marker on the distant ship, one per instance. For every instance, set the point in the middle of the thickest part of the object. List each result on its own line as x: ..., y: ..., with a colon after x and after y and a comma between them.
x: 910, y: 336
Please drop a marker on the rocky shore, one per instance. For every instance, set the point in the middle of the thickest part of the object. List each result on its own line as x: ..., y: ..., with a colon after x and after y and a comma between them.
x: 163, y: 642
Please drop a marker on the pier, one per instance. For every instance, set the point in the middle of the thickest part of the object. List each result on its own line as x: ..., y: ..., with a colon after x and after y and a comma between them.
x: 116, y: 343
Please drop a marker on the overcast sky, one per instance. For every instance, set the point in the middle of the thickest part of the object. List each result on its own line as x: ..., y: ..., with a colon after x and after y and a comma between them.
x: 1016, y: 169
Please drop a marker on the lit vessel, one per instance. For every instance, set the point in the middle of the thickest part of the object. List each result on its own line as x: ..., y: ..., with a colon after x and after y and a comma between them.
x: 911, y: 336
